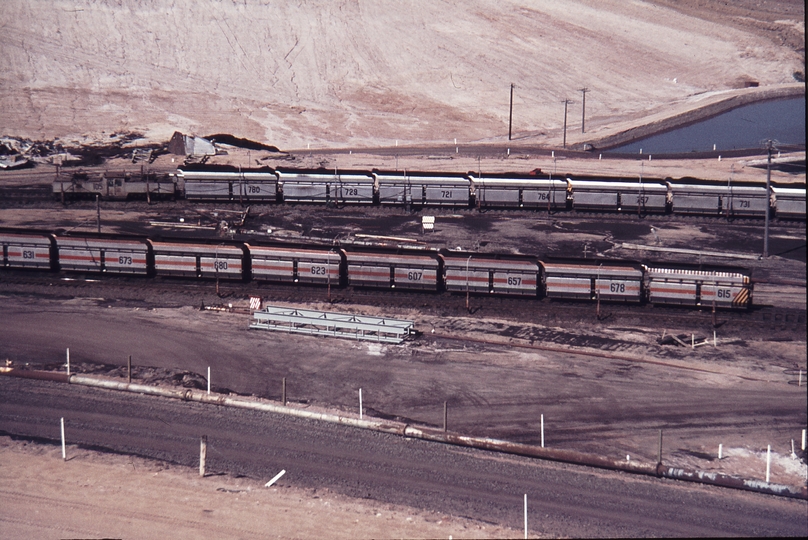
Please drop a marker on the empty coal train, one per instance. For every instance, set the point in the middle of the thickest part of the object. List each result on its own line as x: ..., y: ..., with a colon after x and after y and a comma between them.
x: 418, y: 189
x: 422, y: 270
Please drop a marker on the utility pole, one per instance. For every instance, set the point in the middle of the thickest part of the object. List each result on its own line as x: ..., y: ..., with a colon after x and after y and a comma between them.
x: 566, y: 102
x: 510, y: 115
x: 583, y: 108
x: 769, y: 146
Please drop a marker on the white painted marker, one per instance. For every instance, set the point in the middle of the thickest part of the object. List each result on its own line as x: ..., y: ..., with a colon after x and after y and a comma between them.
x: 64, y: 453
x: 525, y: 516
x: 277, y: 477
x: 542, y: 431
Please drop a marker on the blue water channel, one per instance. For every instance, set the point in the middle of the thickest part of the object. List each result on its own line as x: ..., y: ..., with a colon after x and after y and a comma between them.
x: 742, y: 128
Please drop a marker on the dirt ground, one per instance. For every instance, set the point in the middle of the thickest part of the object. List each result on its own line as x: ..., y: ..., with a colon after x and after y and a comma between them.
x: 364, y: 73
x: 93, y: 495
x: 131, y: 493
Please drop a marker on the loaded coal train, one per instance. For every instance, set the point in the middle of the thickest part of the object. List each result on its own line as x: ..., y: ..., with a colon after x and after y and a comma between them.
x: 537, y: 191
x: 402, y: 269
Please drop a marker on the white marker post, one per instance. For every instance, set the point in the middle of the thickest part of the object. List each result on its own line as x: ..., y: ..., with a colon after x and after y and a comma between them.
x: 360, y: 403
x: 542, y: 431
x: 208, y: 380
x: 68, y: 361
x: 768, y: 462
x: 203, y: 454
x: 275, y: 479
x: 525, y: 516
x: 720, y: 451
x: 64, y: 453
x: 803, y: 440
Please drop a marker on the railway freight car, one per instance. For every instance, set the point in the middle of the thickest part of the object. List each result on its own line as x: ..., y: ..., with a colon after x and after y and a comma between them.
x: 789, y: 203
x: 321, y: 186
x: 198, y: 260
x: 113, y: 255
x: 746, y: 201
x: 227, y: 183
x: 637, y: 197
x: 402, y: 270
x: 26, y: 250
x: 698, y: 286
x: 714, y: 200
x: 593, y: 280
x: 509, y: 192
x: 423, y: 189
x: 490, y: 273
x: 319, y: 266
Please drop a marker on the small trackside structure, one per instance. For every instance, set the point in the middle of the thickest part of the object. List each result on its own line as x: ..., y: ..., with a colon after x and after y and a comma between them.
x: 324, y: 323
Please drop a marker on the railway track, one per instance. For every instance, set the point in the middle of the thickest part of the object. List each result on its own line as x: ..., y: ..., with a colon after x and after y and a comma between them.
x: 760, y: 322
x: 42, y: 197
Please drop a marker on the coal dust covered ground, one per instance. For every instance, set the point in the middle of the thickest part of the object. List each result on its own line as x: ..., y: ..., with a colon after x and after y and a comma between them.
x: 463, y: 492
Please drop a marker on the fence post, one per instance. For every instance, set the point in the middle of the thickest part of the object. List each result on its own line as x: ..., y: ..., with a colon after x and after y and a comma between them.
x: 542, y: 431
x: 203, y: 454
x: 659, y: 450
